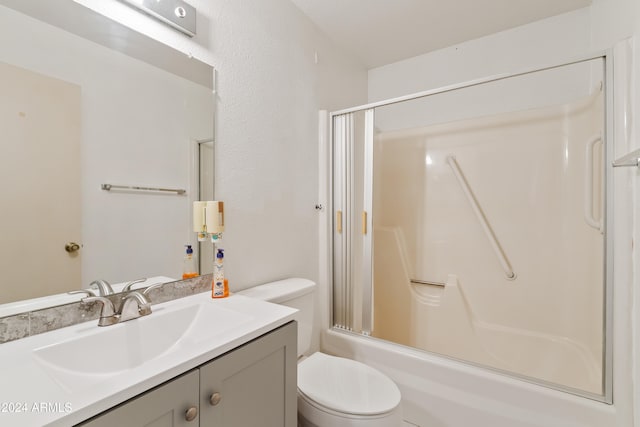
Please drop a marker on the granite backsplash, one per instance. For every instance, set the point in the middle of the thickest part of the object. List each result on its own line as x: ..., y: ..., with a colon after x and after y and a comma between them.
x: 35, y: 322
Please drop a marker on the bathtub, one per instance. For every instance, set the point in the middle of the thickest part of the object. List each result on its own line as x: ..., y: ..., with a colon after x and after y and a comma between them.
x: 442, y: 392
x: 439, y: 392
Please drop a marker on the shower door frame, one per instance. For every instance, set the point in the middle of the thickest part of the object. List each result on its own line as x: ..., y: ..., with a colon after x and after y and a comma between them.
x: 608, y: 154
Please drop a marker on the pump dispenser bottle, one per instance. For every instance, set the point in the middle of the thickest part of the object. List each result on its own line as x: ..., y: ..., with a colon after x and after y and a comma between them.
x: 189, y: 264
x: 219, y: 287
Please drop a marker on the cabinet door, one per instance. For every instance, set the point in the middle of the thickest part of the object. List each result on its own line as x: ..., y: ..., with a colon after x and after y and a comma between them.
x: 256, y: 384
x: 164, y: 406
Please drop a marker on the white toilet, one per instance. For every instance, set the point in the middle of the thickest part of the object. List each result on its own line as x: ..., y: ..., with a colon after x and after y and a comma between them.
x: 332, y: 391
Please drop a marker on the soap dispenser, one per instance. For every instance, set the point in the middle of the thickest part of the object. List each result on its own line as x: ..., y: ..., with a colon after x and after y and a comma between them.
x: 219, y: 287
x: 189, y: 265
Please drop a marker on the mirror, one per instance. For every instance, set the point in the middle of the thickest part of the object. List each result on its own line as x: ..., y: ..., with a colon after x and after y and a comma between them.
x: 87, y: 102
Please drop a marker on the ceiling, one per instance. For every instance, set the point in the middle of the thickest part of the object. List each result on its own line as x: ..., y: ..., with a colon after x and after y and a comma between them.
x: 380, y: 32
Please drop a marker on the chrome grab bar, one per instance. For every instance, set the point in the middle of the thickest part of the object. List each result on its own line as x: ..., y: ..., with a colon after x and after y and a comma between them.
x: 588, y: 187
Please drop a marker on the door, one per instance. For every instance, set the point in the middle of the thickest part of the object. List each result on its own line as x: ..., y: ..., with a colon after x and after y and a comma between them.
x: 206, y: 253
x: 40, y: 176
x: 255, y: 385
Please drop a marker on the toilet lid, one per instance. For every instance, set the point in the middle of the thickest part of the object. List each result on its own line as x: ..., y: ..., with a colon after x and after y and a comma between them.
x: 346, y: 386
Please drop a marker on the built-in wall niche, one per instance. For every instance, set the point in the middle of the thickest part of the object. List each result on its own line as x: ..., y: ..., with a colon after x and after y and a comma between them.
x: 86, y: 102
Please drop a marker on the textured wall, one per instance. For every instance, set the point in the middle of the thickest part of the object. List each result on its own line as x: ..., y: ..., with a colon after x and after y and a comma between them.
x: 269, y: 92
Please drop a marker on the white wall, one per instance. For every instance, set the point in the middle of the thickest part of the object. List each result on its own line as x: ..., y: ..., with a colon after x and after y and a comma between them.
x: 542, y: 43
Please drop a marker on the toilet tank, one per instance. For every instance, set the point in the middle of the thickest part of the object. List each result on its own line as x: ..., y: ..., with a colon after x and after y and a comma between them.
x: 296, y: 293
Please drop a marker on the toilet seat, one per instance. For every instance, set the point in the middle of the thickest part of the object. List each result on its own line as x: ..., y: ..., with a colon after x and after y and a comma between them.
x: 345, y: 386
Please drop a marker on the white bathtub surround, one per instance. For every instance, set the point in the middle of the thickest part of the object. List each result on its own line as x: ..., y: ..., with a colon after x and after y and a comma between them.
x: 440, y: 392
x: 526, y: 146
x: 512, y: 204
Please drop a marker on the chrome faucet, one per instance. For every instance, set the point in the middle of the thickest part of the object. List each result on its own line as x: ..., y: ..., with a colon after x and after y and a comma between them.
x: 134, y: 305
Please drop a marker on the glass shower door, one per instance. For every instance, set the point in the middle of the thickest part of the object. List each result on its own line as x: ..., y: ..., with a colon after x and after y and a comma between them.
x: 473, y: 224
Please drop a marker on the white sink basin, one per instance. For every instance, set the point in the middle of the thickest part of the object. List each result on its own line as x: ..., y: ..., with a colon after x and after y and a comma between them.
x: 101, y: 352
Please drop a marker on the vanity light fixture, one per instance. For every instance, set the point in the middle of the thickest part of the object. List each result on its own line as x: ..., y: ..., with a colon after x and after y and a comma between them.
x: 175, y: 13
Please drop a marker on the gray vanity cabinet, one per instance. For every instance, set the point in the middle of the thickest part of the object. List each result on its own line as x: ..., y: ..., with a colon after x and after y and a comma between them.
x: 252, y: 385
x: 164, y: 406
x: 255, y: 385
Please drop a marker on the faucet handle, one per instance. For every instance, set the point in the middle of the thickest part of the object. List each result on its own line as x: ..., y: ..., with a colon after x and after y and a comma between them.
x: 128, y: 286
x: 104, y: 288
x: 150, y: 288
x: 134, y: 305
x: 85, y: 292
x: 107, y: 313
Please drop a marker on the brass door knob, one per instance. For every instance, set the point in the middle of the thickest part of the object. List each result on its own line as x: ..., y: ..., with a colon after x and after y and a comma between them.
x: 191, y: 414
x: 72, y: 247
x: 215, y: 399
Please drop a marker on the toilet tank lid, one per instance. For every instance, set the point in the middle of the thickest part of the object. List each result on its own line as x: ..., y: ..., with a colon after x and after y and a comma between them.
x: 280, y: 291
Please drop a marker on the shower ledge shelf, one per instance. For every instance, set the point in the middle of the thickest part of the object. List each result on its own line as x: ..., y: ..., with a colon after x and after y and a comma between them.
x: 631, y: 159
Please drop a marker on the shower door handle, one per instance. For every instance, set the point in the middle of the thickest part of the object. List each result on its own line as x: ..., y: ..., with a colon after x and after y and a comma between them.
x: 588, y: 187
x: 364, y: 223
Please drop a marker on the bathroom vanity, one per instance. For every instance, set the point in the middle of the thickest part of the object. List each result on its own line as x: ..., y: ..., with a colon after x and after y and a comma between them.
x: 248, y: 386
x: 192, y: 362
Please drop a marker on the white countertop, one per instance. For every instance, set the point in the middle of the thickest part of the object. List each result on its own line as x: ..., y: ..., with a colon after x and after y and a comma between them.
x: 31, y: 396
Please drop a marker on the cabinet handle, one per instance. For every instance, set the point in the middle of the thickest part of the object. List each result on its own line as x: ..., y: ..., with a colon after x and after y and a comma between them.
x: 215, y: 399
x: 191, y: 413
